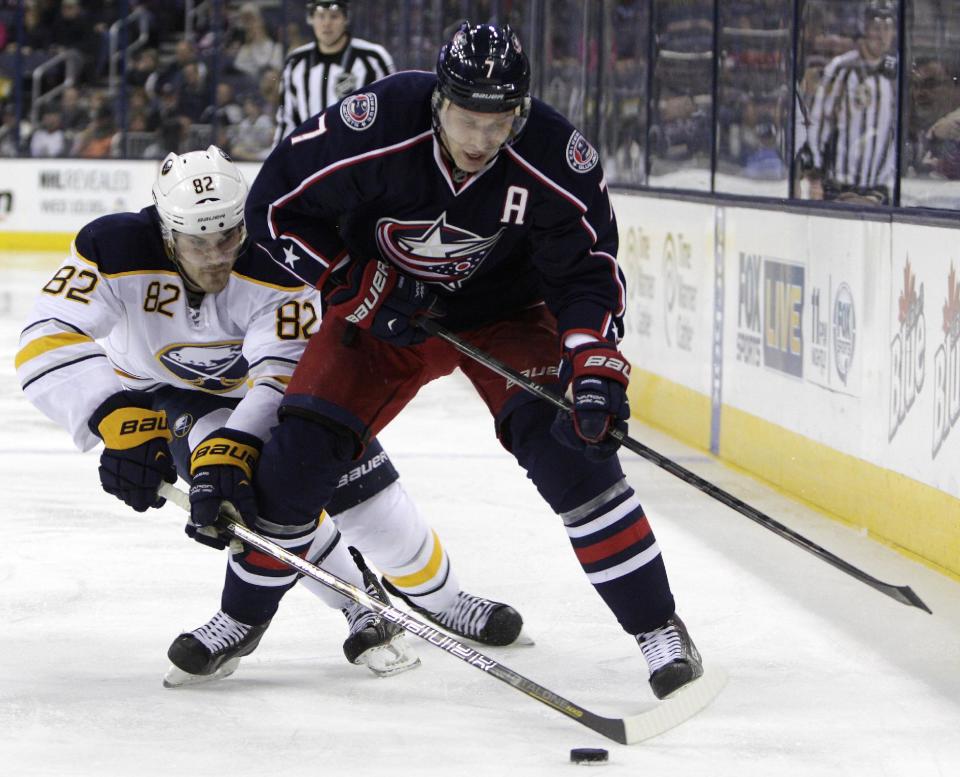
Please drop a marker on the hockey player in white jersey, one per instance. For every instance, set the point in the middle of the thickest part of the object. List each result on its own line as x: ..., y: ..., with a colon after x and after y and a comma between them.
x: 159, y: 337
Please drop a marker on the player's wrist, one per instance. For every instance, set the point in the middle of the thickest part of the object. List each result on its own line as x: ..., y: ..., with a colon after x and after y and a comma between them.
x: 127, y: 419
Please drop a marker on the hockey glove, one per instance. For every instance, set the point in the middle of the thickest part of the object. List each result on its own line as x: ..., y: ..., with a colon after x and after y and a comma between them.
x: 221, y: 470
x: 597, y: 374
x: 377, y: 298
x: 135, y: 458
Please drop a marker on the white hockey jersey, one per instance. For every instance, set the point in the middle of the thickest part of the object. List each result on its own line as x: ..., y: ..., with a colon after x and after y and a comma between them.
x: 117, y: 314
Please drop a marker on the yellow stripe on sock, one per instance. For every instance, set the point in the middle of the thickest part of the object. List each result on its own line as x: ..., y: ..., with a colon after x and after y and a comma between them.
x: 43, y: 344
x: 428, y: 572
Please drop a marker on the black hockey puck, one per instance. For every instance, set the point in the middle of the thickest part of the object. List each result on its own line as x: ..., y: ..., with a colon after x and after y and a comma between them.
x: 589, y: 755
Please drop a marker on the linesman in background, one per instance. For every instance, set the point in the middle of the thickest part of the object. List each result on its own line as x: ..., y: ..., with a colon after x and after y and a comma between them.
x: 851, y: 140
x: 319, y: 74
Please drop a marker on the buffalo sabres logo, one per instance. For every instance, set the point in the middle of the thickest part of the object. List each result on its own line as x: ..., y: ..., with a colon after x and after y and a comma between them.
x: 581, y: 156
x: 213, y: 367
x: 434, y: 250
x: 182, y: 426
x: 359, y: 110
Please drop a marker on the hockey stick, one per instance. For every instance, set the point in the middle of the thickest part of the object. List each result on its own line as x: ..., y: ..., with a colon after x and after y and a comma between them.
x: 653, y: 721
x: 903, y: 594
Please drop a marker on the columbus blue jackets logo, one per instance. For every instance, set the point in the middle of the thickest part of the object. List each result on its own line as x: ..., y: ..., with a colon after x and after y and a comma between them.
x: 359, y: 111
x: 434, y: 251
x: 581, y: 156
x: 213, y: 367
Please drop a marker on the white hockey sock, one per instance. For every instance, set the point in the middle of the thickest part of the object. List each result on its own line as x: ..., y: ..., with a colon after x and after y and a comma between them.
x: 392, y: 536
x: 337, y: 562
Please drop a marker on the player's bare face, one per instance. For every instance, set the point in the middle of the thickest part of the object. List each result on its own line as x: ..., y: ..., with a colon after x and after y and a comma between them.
x: 473, y: 138
x: 330, y: 28
x: 207, y: 260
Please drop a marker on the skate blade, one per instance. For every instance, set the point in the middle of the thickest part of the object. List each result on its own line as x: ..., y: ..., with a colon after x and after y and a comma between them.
x: 177, y: 678
x: 523, y: 640
x: 390, y: 659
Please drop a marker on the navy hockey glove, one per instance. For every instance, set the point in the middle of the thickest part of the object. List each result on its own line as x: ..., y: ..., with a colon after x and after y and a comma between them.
x: 136, y: 458
x: 383, y: 301
x: 598, y: 374
x: 221, y: 470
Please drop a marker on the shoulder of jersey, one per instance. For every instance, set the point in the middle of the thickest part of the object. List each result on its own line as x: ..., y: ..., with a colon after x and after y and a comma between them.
x: 124, y: 243
x: 252, y: 266
x: 299, y: 52
x: 400, y: 105
x: 553, y: 145
x: 367, y: 45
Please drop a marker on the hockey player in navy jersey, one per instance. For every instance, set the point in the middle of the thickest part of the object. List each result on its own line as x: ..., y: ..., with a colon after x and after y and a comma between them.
x: 458, y: 196
x: 197, y: 343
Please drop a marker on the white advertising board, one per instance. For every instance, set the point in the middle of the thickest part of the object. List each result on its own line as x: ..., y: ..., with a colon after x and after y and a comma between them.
x: 793, y: 310
x: 62, y: 195
x: 666, y: 252
x: 921, y: 359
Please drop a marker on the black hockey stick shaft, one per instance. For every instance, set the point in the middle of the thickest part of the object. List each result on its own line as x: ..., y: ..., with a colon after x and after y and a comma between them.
x: 903, y: 594
x: 612, y: 728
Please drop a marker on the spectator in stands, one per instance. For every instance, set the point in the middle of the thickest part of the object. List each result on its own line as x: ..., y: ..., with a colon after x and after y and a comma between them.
x: 184, y: 54
x: 72, y: 29
x: 252, y: 138
x: 319, y: 74
x: 226, y: 112
x: 171, y: 135
x: 143, y: 69
x: 257, y: 50
x: 96, y: 141
x: 851, y: 138
x: 36, y: 35
x: 193, y: 94
x: 9, y: 143
x: 73, y: 116
x: 49, y: 139
x: 269, y: 89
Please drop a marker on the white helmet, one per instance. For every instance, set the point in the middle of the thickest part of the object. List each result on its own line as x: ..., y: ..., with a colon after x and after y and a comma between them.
x: 199, y: 193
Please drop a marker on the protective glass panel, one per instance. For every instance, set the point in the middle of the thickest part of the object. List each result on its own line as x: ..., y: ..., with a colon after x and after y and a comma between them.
x: 681, y: 109
x: 566, y: 76
x: 624, y: 123
x: 847, y: 101
x: 931, y: 149
x: 754, y: 97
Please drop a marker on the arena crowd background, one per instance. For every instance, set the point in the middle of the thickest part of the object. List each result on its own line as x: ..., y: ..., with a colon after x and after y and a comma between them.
x: 691, y: 95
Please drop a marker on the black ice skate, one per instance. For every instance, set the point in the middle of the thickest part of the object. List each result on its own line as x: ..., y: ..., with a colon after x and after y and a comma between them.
x: 374, y: 641
x: 211, y: 652
x: 473, y: 617
x: 671, y: 656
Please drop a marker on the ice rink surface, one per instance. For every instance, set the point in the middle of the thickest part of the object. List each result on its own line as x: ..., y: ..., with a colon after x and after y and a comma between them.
x: 827, y: 677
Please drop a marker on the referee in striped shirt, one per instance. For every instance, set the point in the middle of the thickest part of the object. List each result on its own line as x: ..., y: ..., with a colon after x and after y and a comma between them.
x: 852, y: 134
x: 319, y: 74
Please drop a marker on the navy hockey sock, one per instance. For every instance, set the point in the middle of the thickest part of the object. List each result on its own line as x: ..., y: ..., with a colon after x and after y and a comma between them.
x: 603, y: 518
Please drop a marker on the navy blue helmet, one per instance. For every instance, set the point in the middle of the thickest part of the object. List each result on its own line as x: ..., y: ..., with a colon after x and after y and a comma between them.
x: 485, y: 69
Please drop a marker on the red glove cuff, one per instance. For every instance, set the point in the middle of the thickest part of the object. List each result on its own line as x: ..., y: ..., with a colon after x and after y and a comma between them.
x: 602, y: 360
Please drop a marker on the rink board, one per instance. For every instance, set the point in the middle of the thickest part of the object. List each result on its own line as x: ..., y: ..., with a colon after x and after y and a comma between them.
x: 830, y: 364
x: 820, y: 354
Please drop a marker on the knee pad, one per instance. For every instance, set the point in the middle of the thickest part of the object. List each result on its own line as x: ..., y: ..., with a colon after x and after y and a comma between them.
x: 299, y: 468
x: 564, y: 477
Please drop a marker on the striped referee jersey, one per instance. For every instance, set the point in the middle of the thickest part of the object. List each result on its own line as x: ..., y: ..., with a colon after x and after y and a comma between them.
x: 312, y: 82
x: 853, y: 124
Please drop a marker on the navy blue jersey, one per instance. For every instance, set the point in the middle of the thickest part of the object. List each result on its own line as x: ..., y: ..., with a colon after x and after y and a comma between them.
x: 366, y: 179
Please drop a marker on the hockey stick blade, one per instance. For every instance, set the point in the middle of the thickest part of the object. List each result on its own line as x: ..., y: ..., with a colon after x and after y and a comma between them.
x: 684, y: 704
x: 903, y: 594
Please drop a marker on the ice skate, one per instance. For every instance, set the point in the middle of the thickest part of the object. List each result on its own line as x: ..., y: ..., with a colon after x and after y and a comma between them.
x: 374, y: 641
x: 212, y: 651
x: 671, y: 656
x: 474, y: 618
